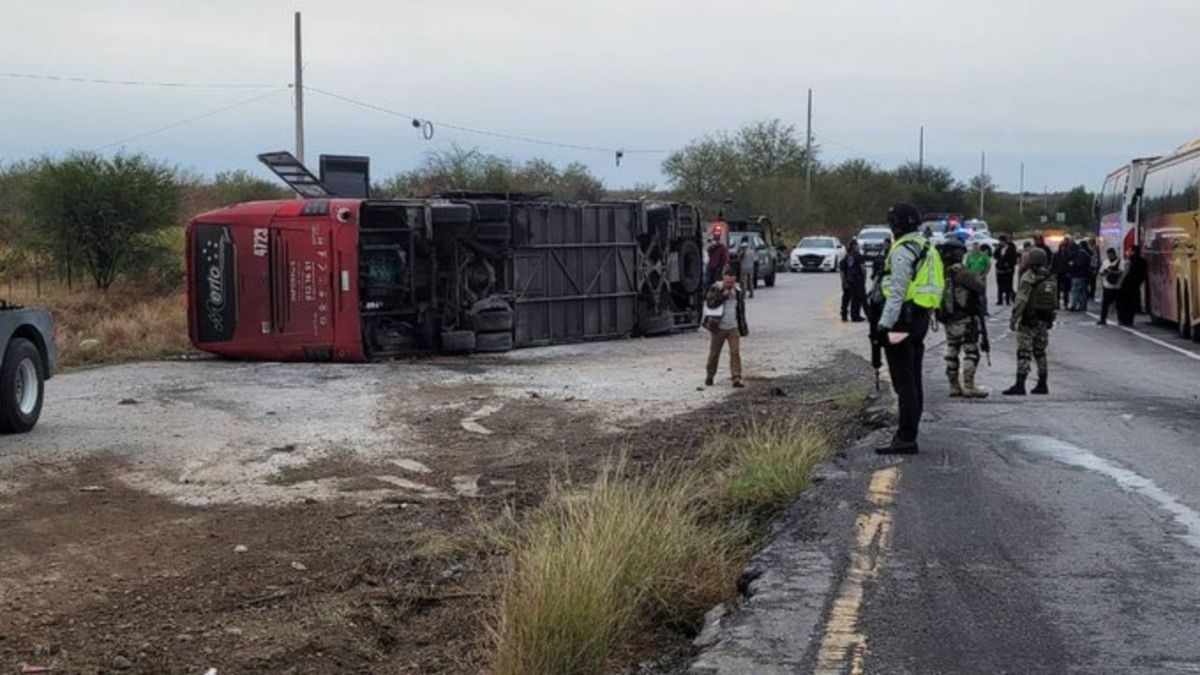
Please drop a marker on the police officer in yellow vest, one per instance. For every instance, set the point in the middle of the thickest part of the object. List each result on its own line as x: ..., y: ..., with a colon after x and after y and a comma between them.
x: 910, y: 288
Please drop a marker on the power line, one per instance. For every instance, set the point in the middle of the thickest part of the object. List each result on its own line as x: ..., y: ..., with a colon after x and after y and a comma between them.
x: 189, y: 120
x: 135, y: 83
x: 13, y: 75
x: 856, y: 151
x: 485, y: 132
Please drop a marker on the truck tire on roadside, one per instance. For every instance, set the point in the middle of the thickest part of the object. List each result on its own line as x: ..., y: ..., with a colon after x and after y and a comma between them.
x: 493, y: 342
x: 22, y: 387
x: 458, y: 341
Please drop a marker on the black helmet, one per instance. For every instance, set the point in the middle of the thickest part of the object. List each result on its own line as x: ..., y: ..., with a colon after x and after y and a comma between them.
x: 903, y: 218
x: 1037, y: 258
x: 954, y: 244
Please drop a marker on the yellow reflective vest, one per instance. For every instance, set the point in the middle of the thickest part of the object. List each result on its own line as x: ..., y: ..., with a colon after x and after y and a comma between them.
x: 928, y: 280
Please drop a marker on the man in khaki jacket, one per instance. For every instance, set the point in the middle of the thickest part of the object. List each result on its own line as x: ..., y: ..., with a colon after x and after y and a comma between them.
x: 727, y: 325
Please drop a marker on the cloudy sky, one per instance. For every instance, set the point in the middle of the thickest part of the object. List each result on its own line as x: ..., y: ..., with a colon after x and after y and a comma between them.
x: 1071, y: 87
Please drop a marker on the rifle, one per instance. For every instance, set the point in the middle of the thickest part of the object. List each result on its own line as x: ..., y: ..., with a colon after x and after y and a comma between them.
x: 874, y: 313
x: 985, y: 345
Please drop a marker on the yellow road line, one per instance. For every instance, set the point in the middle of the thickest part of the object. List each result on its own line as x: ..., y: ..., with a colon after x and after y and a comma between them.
x: 831, y: 313
x: 843, y: 645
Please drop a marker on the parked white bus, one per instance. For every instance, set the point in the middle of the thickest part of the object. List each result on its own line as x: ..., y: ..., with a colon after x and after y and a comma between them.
x: 1116, y: 206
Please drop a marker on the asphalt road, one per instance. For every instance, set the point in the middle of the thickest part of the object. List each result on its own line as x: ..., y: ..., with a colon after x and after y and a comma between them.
x: 1055, y: 534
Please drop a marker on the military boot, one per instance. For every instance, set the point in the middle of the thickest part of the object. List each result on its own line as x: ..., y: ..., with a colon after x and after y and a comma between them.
x: 956, y: 391
x: 1017, y: 389
x: 1041, y: 387
x: 969, y: 389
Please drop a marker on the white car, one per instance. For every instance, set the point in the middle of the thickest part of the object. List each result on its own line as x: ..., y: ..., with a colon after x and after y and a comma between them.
x: 984, y: 239
x: 817, y: 254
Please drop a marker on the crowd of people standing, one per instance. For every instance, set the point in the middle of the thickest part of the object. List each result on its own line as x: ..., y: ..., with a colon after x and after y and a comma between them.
x: 1080, y: 269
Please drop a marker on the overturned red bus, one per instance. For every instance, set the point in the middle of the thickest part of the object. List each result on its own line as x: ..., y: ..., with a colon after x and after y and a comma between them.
x: 326, y: 277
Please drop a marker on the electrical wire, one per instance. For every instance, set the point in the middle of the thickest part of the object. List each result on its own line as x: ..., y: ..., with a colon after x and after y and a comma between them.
x: 189, y: 120
x: 135, y: 83
x: 843, y: 146
x: 426, y: 125
x: 484, y: 132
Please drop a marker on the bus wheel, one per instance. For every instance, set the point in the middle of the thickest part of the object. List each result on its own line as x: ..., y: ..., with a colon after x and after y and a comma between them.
x: 660, y: 324
x: 493, y: 342
x: 458, y: 341
x: 1185, y: 316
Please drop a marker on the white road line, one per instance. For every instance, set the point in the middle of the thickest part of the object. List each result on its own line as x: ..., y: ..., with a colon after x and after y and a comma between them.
x: 1133, y: 331
x: 1127, y: 480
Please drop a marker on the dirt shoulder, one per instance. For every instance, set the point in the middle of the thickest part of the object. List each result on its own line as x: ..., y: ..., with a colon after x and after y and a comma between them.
x: 102, y: 576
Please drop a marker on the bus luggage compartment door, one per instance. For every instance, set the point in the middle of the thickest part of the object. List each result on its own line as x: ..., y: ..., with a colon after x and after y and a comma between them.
x: 574, y: 272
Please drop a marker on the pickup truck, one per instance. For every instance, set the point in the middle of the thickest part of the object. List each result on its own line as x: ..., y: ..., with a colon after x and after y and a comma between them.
x: 27, y: 343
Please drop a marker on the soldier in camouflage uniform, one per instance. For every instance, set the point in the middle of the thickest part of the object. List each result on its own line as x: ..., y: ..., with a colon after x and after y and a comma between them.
x: 960, y: 313
x: 1032, y: 317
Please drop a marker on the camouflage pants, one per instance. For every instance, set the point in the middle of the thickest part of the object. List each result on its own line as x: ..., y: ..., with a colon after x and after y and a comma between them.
x: 962, y: 336
x: 1032, y: 341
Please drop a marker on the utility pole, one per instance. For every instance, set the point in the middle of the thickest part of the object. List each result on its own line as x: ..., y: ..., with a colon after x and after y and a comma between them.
x: 1021, y: 198
x: 299, y: 89
x: 982, y: 180
x: 808, y: 162
x: 921, y: 155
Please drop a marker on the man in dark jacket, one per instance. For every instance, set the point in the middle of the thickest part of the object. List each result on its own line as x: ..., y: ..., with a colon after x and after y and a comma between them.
x: 1060, y: 267
x: 727, y: 325
x: 1006, y: 266
x: 718, y: 260
x: 1081, y: 269
x: 1129, y: 298
x: 854, y: 283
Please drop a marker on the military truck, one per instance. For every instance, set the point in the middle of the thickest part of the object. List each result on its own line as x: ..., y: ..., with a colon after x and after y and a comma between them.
x: 27, y: 343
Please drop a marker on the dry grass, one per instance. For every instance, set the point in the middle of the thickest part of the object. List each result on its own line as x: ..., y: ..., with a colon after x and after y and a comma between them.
x: 126, y: 323
x: 767, y: 464
x: 588, y: 569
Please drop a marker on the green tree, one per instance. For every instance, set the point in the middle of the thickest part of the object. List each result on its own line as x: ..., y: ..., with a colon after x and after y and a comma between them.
x: 235, y: 187
x: 1077, y: 204
x: 708, y: 169
x: 468, y: 169
x: 106, y: 211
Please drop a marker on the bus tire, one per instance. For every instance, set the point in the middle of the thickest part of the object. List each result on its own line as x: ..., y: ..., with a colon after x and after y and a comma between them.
x: 491, y: 210
x: 691, y: 267
x: 493, y: 342
x: 660, y: 324
x: 22, y: 387
x: 1185, y: 315
x: 458, y: 341
x: 493, y: 321
x: 451, y: 214
x: 494, y: 231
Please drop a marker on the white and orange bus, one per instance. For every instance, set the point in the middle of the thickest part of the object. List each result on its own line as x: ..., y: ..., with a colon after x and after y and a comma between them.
x: 1168, y: 216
